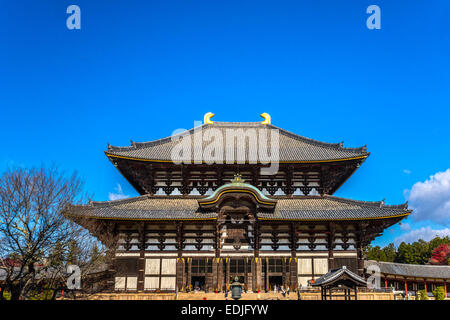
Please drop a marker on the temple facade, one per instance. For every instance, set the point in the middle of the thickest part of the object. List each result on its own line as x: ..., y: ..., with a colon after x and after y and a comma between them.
x: 204, y: 218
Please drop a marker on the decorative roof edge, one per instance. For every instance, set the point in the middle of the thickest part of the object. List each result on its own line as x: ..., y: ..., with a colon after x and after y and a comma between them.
x: 335, y: 274
x: 139, y: 145
x: 381, y: 204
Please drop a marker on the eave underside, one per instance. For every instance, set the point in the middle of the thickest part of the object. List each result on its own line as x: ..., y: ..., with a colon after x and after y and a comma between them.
x: 291, y: 178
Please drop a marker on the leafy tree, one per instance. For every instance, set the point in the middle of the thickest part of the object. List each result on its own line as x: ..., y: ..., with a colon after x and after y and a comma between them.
x: 375, y: 253
x: 439, y: 293
x: 406, y: 254
x: 390, y: 252
x: 441, y: 255
x: 422, y: 252
x: 421, y: 295
x: 436, y: 242
x: 418, y: 252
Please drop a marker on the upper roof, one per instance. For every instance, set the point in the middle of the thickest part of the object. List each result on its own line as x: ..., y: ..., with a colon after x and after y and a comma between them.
x: 411, y: 270
x: 292, y: 147
x: 313, y: 208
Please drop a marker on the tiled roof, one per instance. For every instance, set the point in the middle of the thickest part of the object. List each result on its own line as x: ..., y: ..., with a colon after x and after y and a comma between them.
x: 143, y: 207
x: 334, y: 275
x: 333, y: 208
x: 177, y: 207
x: 412, y: 270
x: 293, y: 148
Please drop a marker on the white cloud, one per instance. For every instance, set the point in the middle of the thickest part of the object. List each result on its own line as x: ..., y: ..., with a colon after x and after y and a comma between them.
x: 405, y: 227
x: 118, y: 194
x: 424, y: 233
x: 431, y: 199
x: 406, y: 171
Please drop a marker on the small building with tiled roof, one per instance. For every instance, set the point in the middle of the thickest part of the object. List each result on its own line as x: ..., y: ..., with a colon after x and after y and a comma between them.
x: 228, y: 199
x: 410, y: 277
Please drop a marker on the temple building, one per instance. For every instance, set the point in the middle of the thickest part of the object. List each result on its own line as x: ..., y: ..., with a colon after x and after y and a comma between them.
x: 410, y: 278
x: 204, y: 217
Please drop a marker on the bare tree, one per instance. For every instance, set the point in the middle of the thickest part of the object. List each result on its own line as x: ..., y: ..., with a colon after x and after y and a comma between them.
x: 36, y: 240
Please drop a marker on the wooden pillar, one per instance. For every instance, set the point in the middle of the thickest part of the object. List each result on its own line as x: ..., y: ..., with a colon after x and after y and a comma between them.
x: 214, y: 274
x: 189, y: 276
x: 250, y: 272
x: 246, y: 274
x: 283, y: 277
x: 141, y: 271
x: 220, y: 272
x: 259, y: 284
x: 293, y: 273
x: 254, y: 275
x: 207, y: 278
x: 359, y: 246
x: 425, y: 284
x: 406, y: 287
x: 385, y: 282
x: 360, y: 253
x: 293, y: 279
x: 180, y: 274
x: 227, y: 273
x: 331, y: 228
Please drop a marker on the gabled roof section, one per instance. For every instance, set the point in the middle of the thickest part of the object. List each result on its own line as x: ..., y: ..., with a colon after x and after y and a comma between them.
x: 293, y: 148
x: 238, y: 187
x: 336, y: 275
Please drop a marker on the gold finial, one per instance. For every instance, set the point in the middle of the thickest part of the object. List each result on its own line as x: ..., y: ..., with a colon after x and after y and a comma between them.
x: 266, y: 117
x: 207, y: 118
x: 237, y: 178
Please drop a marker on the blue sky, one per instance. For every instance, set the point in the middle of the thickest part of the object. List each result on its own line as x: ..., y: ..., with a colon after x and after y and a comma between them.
x: 138, y: 70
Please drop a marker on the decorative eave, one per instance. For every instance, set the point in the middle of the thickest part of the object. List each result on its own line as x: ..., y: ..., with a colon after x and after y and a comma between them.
x: 237, y: 186
x: 307, y: 209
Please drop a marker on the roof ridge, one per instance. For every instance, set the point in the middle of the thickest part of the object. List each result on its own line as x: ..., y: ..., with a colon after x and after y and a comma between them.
x: 139, y: 145
x: 336, y: 146
x: 109, y: 203
x: 380, y: 204
x: 408, y: 264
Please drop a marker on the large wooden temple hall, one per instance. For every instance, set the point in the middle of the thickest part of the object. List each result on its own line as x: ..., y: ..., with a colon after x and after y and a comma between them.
x: 201, y: 224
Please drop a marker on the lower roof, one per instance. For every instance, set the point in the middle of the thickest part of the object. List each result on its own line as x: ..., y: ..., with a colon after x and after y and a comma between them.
x: 411, y: 270
x: 313, y: 208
